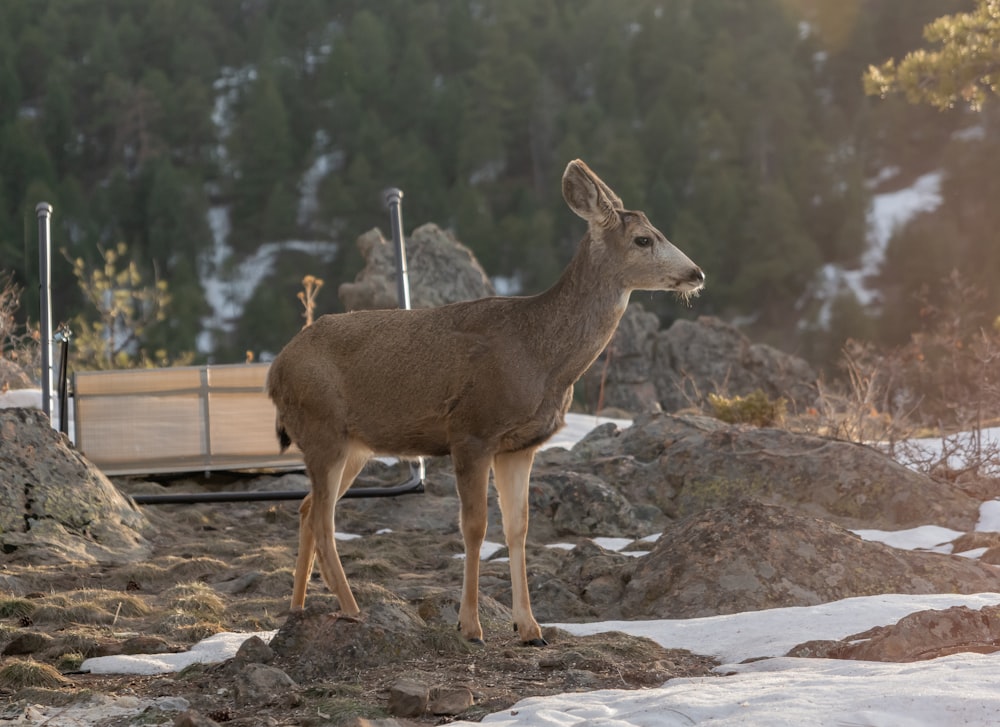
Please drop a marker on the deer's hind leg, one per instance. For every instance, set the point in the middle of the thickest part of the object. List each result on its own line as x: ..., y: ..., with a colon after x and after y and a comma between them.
x: 331, y: 477
x: 307, y: 553
x: 472, y: 470
x: 511, y: 476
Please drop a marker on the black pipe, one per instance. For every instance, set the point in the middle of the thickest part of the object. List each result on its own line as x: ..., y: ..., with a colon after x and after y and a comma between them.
x: 414, y: 485
x: 63, y: 337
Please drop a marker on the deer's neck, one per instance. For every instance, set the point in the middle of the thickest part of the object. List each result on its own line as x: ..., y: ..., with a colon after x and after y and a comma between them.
x: 579, y: 314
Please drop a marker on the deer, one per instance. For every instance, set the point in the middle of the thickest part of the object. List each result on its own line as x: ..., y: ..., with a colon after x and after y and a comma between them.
x: 485, y: 381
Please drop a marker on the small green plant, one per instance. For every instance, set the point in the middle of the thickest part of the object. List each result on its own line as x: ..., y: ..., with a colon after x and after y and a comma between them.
x: 70, y: 661
x: 754, y: 408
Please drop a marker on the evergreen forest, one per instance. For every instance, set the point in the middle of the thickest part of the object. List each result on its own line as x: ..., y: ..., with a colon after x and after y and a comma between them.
x: 204, y: 140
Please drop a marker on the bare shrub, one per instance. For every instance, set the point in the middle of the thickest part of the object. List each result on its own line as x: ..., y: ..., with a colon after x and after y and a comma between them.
x: 18, y: 341
x: 928, y: 401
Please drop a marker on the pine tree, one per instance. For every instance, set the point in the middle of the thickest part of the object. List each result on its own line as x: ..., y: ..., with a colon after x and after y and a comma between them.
x: 964, y: 67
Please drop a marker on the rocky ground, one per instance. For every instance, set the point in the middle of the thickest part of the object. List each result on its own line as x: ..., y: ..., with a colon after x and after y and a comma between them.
x: 750, y: 519
x: 215, y: 567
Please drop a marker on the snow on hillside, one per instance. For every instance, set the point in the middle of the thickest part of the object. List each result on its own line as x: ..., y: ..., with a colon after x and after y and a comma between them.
x: 229, y: 284
x: 888, y: 213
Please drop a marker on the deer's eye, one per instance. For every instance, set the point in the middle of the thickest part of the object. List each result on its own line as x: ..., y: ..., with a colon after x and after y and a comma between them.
x: 643, y: 241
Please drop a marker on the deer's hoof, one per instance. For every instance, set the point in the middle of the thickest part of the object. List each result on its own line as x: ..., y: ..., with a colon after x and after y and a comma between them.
x: 536, y: 642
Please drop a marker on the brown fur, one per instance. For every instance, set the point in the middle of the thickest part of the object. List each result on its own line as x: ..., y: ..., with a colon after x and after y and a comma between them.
x: 486, y: 381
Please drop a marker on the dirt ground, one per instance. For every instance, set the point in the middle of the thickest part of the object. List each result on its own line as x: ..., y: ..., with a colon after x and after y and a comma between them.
x: 228, y: 567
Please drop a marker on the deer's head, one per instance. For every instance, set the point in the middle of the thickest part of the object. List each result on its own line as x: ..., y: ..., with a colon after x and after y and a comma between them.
x: 635, y: 254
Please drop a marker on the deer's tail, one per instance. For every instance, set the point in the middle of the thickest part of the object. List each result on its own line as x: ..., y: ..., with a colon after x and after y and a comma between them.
x: 283, y: 439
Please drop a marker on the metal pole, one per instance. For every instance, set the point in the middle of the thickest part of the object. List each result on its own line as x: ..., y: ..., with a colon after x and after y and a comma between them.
x: 44, y: 212
x: 393, y: 197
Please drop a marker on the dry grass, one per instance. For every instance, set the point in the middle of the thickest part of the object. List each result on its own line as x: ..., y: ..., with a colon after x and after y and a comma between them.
x: 88, y: 607
x: 267, y: 558
x: 195, y: 599
x: 21, y: 673
x: 16, y: 608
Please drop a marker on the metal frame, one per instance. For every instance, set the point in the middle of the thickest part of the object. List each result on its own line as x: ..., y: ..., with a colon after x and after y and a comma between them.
x: 414, y: 484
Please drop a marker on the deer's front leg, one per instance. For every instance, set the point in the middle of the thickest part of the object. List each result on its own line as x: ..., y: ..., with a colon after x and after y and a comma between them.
x: 512, y: 473
x: 472, y: 471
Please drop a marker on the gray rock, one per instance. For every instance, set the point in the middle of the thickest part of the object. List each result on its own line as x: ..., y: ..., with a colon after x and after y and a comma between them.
x: 450, y: 701
x: 685, y: 464
x: 254, y: 651
x: 27, y: 642
x: 314, y: 642
x: 622, y: 378
x: 261, y: 684
x: 147, y: 645
x: 194, y: 718
x: 240, y: 584
x: 647, y: 369
x: 751, y: 556
x: 696, y: 358
x: 583, y: 504
x: 916, y: 637
x: 55, y: 506
x: 441, y: 270
x: 408, y: 698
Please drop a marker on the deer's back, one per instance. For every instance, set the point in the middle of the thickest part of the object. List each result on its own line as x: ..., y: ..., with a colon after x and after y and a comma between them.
x: 410, y: 382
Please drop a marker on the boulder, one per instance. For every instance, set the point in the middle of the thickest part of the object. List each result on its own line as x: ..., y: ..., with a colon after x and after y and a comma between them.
x: 315, y: 642
x: 685, y: 464
x: 752, y: 556
x: 57, y: 507
x: 441, y: 270
x: 622, y: 378
x: 696, y: 358
x: 648, y: 369
x: 916, y: 637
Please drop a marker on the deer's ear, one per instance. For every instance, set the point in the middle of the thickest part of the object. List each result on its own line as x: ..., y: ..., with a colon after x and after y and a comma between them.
x: 588, y: 196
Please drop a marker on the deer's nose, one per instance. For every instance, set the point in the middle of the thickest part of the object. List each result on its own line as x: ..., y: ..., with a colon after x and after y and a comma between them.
x: 697, y: 275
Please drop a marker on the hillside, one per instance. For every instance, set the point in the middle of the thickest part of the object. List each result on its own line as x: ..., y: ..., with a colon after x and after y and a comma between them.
x: 231, y: 142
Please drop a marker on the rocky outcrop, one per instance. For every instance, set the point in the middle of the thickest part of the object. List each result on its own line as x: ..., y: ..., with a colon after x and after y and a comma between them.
x: 916, y: 637
x: 695, y: 358
x: 622, y: 377
x: 55, y: 506
x: 316, y: 643
x: 646, y: 369
x: 441, y: 270
x: 752, y: 556
x: 686, y: 464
